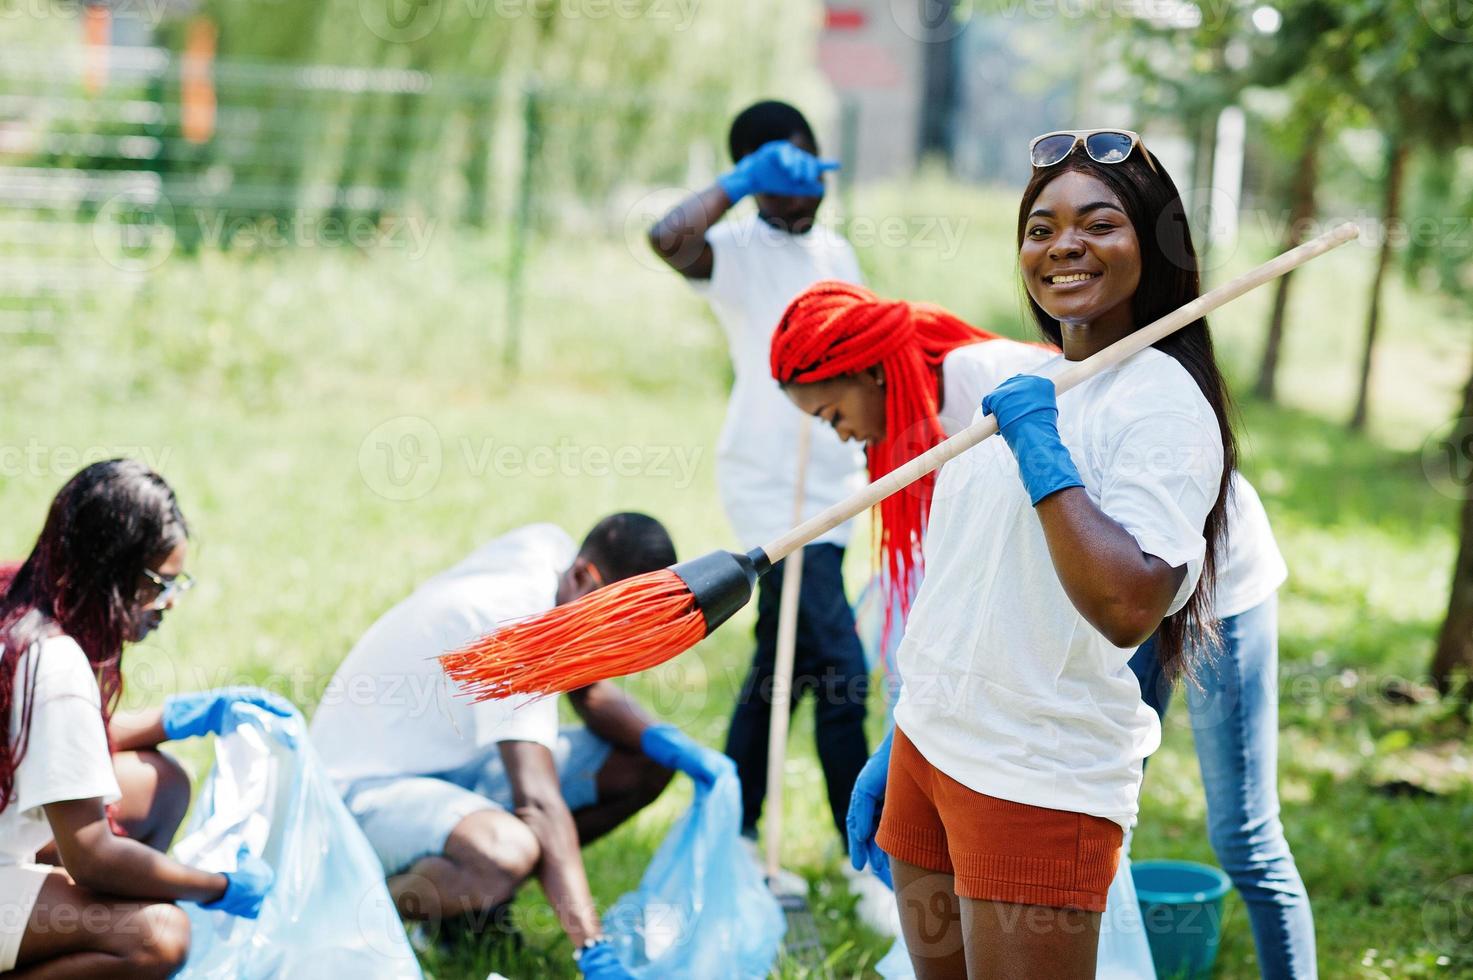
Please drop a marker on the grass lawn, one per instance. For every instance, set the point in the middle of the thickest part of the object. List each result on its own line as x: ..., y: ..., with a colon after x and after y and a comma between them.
x: 339, y: 427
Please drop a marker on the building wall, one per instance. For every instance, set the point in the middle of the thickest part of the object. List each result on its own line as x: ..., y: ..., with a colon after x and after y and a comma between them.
x: 872, y: 52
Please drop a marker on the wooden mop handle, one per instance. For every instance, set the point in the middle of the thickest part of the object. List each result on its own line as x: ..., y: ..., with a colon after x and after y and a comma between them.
x: 1078, y: 371
x: 782, y: 671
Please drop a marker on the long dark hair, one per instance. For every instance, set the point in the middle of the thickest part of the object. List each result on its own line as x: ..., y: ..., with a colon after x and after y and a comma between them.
x: 1169, y: 280
x: 109, y: 523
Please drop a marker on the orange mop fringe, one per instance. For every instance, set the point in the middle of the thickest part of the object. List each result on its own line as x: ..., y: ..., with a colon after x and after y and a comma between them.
x: 629, y: 626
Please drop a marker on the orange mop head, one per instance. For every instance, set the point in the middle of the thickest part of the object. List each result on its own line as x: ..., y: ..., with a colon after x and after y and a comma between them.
x: 623, y: 628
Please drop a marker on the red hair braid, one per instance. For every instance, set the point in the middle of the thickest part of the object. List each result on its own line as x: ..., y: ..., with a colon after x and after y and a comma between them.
x: 837, y: 328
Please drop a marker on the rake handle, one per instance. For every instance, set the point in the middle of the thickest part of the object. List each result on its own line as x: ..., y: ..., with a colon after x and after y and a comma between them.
x: 1077, y: 372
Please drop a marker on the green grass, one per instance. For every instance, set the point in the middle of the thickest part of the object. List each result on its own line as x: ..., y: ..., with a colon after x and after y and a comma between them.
x: 259, y: 385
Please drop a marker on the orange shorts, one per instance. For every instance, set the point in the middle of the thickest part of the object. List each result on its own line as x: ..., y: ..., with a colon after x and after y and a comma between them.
x: 997, y: 850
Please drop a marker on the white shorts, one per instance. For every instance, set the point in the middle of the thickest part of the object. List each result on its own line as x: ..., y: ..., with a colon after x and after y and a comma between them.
x: 406, y: 818
x: 19, y: 886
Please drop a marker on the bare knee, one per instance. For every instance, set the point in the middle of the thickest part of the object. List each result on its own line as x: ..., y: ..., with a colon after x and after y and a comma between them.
x: 158, y: 941
x: 155, y: 795
x: 172, y: 799
x: 494, y: 844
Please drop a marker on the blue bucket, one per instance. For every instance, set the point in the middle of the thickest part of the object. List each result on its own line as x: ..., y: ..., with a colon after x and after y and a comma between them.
x: 1181, y: 906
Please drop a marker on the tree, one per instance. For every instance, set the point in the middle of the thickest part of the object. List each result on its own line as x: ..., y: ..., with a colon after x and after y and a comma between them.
x: 1301, y: 212
x: 1412, y: 75
x: 1444, y: 191
x: 1308, y: 60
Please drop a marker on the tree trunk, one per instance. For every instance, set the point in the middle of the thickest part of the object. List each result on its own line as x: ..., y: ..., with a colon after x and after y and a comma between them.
x: 1301, y: 212
x: 1455, y: 641
x: 1390, y: 216
x: 1204, y: 155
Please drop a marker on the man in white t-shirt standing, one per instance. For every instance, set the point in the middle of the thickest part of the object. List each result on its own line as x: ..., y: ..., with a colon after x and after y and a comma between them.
x: 463, y: 802
x: 749, y: 269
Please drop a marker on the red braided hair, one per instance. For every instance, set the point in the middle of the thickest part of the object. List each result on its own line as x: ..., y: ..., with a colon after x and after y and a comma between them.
x: 836, y: 328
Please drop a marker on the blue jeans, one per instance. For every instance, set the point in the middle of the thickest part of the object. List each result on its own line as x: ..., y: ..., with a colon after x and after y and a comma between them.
x: 1235, y: 723
x: 828, y: 661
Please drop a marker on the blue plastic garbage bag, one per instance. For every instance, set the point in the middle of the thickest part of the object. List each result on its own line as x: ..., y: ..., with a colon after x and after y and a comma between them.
x: 328, y: 914
x: 702, y: 909
x: 1124, y: 953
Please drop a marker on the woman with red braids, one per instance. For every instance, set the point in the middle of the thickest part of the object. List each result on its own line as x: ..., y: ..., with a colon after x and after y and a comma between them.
x: 896, y: 376
x: 82, y: 830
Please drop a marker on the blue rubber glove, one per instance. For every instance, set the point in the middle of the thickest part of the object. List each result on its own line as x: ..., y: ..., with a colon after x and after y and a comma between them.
x: 674, y: 749
x: 864, y: 814
x: 598, y: 962
x: 245, y: 887
x: 209, y: 712
x: 778, y: 167
x: 1028, y: 417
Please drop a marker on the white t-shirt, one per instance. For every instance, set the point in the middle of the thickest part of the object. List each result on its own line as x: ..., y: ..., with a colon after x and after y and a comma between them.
x: 1006, y: 688
x: 66, y: 757
x: 756, y: 273
x: 390, y: 711
x: 1251, y: 570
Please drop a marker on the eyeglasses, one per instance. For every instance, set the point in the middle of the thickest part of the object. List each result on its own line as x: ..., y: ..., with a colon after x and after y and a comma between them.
x: 169, y: 588
x: 1102, y: 145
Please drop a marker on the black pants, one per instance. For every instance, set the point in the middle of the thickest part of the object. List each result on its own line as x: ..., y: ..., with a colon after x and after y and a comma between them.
x: 828, y: 661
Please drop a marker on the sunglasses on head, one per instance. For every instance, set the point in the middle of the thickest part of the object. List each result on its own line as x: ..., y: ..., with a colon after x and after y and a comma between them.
x: 1102, y: 145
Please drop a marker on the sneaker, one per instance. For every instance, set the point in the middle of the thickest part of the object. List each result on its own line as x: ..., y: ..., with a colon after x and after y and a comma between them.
x: 876, y: 907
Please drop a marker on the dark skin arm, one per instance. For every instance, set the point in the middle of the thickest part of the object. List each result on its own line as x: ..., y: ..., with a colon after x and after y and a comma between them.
x: 1122, y: 591
x: 611, y: 714
x: 99, y: 860
x: 679, y: 238
x: 539, y: 804
x: 128, y: 731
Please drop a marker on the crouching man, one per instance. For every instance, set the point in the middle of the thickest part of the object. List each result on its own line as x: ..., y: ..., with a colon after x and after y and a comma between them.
x: 464, y: 802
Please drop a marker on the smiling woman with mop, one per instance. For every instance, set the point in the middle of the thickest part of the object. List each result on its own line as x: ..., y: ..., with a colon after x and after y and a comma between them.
x: 1020, y: 730
x: 1105, y: 589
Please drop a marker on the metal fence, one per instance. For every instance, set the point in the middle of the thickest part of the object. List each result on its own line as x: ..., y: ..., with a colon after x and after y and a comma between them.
x: 114, y: 158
